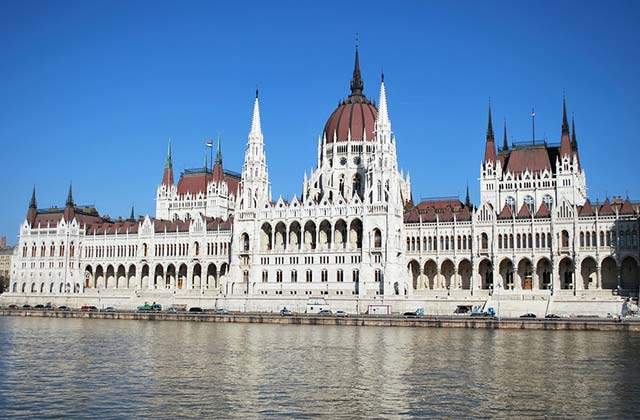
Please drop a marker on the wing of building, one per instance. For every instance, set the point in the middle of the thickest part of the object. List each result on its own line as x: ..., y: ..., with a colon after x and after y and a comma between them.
x: 354, y: 236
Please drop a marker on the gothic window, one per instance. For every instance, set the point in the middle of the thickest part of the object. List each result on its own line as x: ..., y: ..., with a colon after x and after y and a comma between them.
x: 601, y: 238
x: 294, y: 276
x: 529, y: 202
x: 265, y: 276
x: 565, y: 239
x: 511, y: 202
x: 324, y: 276
x: 511, y: 241
x: 340, y: 275
x: 548, y: 200
x: 484, y: 241
x: 499, y: 241
x: 377, y: 239
x: 309, y: 276
x: 244, y: 240
x: 355, y: 276
x: 279, y: 276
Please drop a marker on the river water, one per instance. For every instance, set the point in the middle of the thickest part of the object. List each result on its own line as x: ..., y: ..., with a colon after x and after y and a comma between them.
x: 76, y: 368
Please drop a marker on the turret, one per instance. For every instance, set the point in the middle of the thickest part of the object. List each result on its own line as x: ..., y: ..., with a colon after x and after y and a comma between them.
x: 505, y: 142
x: 574, y: 141
x: 218, y: 170
x: 255, y: 178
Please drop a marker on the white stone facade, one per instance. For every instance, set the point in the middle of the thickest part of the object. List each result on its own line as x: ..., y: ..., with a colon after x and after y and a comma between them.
x: 354, y: 234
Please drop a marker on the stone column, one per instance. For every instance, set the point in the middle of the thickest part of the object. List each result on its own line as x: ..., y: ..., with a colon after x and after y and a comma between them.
x: 598, y: 276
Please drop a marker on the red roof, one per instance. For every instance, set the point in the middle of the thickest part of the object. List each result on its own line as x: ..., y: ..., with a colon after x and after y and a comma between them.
x: 505, y: 213
x: 534, y: 158
x: 626, y: 208
x: 606, y: 209
x: 586, y: 210
x: 543, y: 211
x: 357, y: 114
x: 524, y: 212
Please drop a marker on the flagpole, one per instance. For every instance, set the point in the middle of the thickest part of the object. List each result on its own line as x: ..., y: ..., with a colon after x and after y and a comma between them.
x: 533, y: 125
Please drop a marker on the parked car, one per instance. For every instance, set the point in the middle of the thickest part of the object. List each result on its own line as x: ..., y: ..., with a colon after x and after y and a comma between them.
x: 221, y: 311
x: 172, y: 311
x: 63, y: 308
x: 413, y: 314
x: 325, y: 312
x: 13, y: 306
x: 25, y: 306
x: 552, y: 316
x: 528, y: 315
x: 155, y: 307
x: 285, y: 312
x: 38, y: 307
x: 87, y: 308
x: 341, y: 314
x: 109, y: 309
x: 196, y: 309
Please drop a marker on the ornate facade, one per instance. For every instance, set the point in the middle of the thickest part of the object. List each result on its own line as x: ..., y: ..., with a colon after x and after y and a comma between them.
x: 354, y: 233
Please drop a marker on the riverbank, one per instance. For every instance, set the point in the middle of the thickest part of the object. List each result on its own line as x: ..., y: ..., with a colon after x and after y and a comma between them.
x: 575, y: 324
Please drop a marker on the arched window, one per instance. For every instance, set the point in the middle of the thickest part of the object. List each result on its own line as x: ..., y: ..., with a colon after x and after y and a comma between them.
x: 197, y: 248
x: 324, y: 276
x: 294, y: 276
x: 565, y: 239
x: 601, y: 238
x: 530, y: 203
x: 511, y: 202
x: 484, y: 241
x: 499, y: 241
x: 244, y: 240
x: 377, y: 239
x: 265, y: 276
x: 548, y: 200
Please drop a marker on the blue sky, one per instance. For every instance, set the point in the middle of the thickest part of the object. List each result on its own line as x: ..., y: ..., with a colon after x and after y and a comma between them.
x: 90, y: 92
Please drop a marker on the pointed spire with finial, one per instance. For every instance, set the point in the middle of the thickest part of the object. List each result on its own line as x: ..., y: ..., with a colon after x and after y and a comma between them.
x: 69, y: 202
x: 505, y: 143
x: 467, y: 200
x: 490, y: 146
x: 357, y: 86
x: 218, y: 153
x: 69, y: 210
x: 383, y: 122
x: 32, y: 203
x: 132, y: 216
x: 32, y: 213
x: 565, y: 140
x: 256, y: 128
x: 167, y: 176
x: 574, y: 141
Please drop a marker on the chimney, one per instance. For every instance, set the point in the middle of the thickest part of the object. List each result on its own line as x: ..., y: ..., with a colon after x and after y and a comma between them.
x: 3, y: 243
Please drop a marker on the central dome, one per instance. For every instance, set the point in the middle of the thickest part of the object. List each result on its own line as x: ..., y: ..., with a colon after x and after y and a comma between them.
x: 356, y: 114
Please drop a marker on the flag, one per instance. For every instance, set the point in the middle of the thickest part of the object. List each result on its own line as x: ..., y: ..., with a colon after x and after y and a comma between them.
x: 533, y: 114
x: 209, y: 144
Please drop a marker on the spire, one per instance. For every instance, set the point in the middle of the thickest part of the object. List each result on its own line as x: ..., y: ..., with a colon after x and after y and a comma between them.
x: 256, y: 129
x: 383, y: 123
x: 574, y: 142
x: 69, y: 202
x: 565, y: 141
x: 32, y: 213
x: 206, y: 163
x: 69, y: 211
x: 167, y: 176
x: 505, y: 143
x: 356, y: 82
x: 490, y: 146
x: 32, y: 203
x: 490, y: 125
x: 565, y: 123
x: 132, y: 217
x: 467, y: 200
x: 219, y: 153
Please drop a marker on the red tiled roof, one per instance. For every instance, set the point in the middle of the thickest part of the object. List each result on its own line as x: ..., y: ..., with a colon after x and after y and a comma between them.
x: 454, y: 204
x: 533, y: 158
x: 194, y: 183
x: 412, y: 216
x: 543, y: 211
x: 505, y: 213
x: 357, y: 114
x: 219, y: 224
x: 524, y: 212
x: 606, y: 209
x: 626, y: 208
x: 586, y: 209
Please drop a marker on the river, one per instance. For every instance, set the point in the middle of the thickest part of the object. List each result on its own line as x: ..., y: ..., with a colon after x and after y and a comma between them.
x: 79, y: 368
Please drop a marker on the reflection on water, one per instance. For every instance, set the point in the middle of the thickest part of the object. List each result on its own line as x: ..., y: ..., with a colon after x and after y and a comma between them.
x: 75, y: 368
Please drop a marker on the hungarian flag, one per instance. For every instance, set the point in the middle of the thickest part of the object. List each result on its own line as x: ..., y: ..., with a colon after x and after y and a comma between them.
x: 533, y: 113
x: 209, y: 144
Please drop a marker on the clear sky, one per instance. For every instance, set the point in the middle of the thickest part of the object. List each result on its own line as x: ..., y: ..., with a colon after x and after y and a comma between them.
x: 91, y: 91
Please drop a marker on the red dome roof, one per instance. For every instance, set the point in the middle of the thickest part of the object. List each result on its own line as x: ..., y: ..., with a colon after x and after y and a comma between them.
x: 357, y: 114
